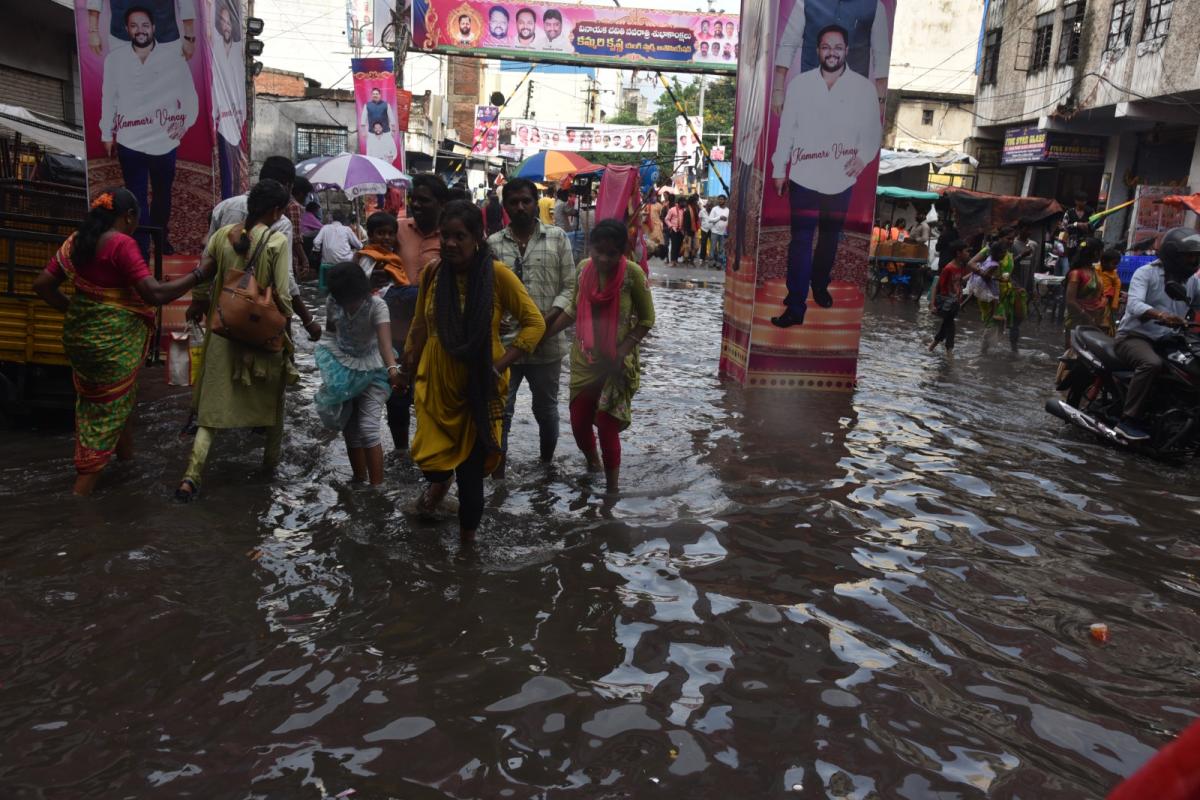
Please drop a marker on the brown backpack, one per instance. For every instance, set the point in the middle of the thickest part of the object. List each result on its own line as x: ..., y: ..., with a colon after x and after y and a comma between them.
x: 247, y: 313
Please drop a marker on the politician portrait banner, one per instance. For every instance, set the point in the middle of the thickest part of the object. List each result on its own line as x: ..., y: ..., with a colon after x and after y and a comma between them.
x: 152, y: 110
x: 806, y: 158
x: 579, y: 34
x: 687, y: 143
x: 532, y: 136
x: 375, y: 109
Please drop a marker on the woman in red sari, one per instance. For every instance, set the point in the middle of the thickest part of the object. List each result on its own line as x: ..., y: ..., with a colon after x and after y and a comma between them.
x: 108, y: 327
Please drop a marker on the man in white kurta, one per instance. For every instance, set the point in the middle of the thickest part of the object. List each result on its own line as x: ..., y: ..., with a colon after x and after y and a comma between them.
x: 148, y: 102
x: 828, y: 133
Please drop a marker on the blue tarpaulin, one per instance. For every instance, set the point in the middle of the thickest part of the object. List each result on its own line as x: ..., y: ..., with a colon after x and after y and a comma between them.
x: 713, y: 187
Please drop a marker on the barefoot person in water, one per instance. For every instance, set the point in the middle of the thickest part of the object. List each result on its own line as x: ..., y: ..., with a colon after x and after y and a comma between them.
x: 613, y: 312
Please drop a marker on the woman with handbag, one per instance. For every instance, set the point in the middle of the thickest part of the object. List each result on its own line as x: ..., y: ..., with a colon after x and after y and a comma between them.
x: 245, y: 364
x: 108, y: 327
x: 458, y: 365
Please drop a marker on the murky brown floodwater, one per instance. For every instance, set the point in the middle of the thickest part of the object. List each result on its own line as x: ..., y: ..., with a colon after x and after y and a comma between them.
x: 879, y: 596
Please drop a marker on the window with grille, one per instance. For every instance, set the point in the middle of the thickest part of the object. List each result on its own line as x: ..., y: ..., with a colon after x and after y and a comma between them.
x: 991, y: 58
x: 927, y: 116
x: 1043, y: 36
x: 1068, y: 45
x: 319, y: 140
x: 1158, y: 19
x: 1120, y: 25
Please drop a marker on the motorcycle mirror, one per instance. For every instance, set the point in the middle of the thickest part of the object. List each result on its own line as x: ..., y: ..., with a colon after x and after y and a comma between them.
x: 1176, y: 291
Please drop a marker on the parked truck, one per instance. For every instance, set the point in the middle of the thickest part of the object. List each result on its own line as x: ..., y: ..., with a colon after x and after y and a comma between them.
x: 35, y: 218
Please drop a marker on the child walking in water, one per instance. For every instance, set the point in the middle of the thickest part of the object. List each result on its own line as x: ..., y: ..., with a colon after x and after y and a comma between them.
x: 946, y: 302
x: 358, y: 368
x: 613, y: 311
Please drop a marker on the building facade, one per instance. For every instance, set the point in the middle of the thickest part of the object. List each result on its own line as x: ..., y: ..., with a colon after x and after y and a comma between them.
x: 1097, y: 97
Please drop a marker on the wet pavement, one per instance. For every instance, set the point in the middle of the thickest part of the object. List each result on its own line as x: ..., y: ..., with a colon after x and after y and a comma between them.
x: 884, y: 595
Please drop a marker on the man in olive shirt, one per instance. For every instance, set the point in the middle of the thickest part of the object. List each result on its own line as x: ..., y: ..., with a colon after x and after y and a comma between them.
x: 540, y: 255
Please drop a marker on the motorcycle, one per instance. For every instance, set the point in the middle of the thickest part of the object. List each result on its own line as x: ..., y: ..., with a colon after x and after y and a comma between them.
x: 1096, y: 382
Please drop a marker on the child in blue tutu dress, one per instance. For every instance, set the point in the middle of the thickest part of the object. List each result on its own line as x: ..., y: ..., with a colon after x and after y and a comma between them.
x: 358, y: 368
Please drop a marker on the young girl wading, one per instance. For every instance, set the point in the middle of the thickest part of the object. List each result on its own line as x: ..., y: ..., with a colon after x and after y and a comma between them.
x: 358, y: 368
x: 613, y: 312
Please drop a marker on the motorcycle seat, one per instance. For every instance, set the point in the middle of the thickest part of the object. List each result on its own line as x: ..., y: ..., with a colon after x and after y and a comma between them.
x: 1102, y: 346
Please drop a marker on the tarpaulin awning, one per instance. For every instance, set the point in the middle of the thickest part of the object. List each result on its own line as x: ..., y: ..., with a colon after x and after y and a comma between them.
x: 900, y: 193
x: 896, y: 160
x: 1189, y: 201
x: 980, y: 212
x: 42, y: 130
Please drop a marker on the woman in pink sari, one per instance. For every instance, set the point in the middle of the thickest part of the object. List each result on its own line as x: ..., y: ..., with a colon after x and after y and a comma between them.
x: 613, y: 311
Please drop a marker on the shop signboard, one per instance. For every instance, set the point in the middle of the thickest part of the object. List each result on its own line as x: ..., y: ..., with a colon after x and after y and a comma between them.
x: 578, y: 34
x: 1023, y: 146
x: 1032, y: 145
x: 1069, y: 148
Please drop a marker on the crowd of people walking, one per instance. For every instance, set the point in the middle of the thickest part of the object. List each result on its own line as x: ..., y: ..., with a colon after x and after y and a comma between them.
x: 427, y: 313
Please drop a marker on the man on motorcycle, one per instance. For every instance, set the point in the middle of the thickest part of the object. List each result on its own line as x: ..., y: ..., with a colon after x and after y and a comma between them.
x: 1150, y: 315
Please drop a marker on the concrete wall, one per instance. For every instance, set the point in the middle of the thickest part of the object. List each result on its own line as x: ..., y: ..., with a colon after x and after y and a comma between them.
x: 926, y: 33
x: 37, y: 54
x: 276, y: 118
x: 952, y: 125
x: 1105, y: 78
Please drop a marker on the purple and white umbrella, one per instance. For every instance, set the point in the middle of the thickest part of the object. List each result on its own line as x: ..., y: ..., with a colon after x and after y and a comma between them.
x: 357, y: 175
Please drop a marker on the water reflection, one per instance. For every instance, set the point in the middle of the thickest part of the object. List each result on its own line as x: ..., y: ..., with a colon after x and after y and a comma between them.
x: 867, y: 596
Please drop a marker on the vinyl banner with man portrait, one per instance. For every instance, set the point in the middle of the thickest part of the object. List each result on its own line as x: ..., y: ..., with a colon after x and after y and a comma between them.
x: 806, y: 157
x: 159, y: 86
x: 375, y: 109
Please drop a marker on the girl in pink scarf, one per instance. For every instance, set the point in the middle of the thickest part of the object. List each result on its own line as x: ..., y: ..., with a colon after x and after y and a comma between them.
x: 613, y: 311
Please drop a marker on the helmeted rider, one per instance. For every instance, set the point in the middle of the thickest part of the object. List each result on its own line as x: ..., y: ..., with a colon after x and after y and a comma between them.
x: 1149, y: 317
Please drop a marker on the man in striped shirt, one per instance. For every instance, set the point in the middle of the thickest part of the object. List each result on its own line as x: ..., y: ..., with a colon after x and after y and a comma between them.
x: 540, y: 255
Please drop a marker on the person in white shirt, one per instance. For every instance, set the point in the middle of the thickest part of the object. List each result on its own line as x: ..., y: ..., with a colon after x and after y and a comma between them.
x: 337, y: 242
x: 228, y: 94
x: 719, y: 219
x: 705, y: 228
x: 148, y: 102
x: 829, y: 132
x: 553, y: 36
x: 381, y: 144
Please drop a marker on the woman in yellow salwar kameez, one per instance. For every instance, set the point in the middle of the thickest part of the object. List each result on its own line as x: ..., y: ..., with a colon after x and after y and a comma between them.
x: 458, y: 365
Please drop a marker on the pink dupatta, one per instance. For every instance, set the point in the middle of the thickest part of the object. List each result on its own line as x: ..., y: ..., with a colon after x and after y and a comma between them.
x: 599, y: 312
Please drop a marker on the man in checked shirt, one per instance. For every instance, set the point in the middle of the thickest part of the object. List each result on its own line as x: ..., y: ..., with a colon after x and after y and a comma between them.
x: 540, y: 255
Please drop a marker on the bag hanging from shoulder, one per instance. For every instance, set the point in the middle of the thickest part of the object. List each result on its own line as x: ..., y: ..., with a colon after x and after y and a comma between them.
x: 247, y: 313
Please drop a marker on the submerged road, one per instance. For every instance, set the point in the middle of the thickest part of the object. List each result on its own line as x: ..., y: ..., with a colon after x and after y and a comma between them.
x: 884, y: 595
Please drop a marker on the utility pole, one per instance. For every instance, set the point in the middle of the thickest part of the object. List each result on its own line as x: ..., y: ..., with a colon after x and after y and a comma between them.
x: 528, y: 98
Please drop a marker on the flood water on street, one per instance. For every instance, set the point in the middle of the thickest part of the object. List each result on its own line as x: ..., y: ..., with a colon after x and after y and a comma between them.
x: 883, y: 595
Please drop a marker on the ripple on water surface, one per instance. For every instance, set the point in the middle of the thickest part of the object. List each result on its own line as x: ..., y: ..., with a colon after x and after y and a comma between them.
x: 879, y: 595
